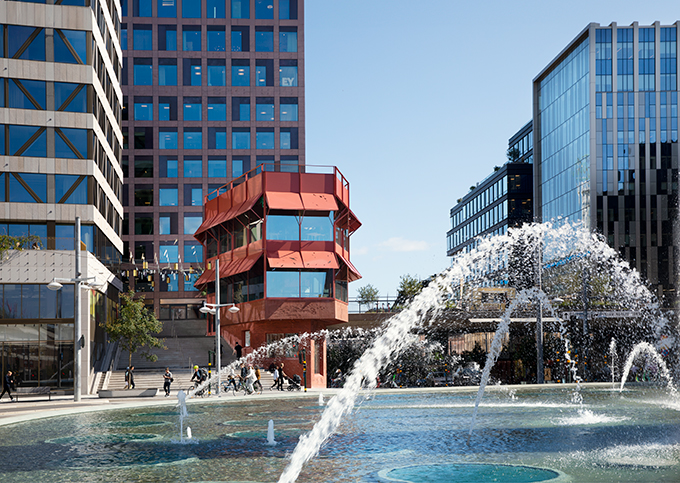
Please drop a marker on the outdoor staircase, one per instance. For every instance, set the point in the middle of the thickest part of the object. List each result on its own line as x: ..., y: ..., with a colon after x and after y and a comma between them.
x: 154, y: 379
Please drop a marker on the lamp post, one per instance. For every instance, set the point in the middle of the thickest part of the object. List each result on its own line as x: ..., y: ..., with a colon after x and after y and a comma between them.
x: 214, y: 309
x: 78, y: 342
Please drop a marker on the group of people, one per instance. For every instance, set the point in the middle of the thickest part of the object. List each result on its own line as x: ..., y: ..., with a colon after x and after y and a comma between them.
x: 280, y: 377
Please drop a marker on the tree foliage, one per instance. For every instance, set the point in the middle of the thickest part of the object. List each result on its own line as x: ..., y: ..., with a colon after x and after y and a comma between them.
x: 367, y: 294
x: 8, y: 242
x: 409, y: 287
x: 133, y: 328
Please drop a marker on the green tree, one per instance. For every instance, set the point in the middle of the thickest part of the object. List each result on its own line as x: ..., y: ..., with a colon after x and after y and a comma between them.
x: 409, y: 287
x: 367, y: 295
x: 133, y: 328
x: 19, y: 243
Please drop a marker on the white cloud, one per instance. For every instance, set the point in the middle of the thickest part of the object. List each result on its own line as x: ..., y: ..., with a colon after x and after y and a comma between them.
x: 360, y: 251
x: 399, y: 244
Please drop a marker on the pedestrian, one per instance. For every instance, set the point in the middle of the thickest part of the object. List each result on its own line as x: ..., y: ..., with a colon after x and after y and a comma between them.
x: 238, y: 349
x: 131, y: 378
x: 282, y: 377
x: 167, y: 380
x: 8, y: 386
x: 127, y: 378
x: 250, y: 379
x: 275, y: 375
x: 257, y: 381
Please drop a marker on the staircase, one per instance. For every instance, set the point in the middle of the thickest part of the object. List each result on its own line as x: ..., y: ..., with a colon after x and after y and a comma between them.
x: 151, y: 378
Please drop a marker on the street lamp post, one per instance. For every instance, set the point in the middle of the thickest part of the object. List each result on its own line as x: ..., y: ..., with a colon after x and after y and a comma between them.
x: 214, y: 309
x: 78, y: 343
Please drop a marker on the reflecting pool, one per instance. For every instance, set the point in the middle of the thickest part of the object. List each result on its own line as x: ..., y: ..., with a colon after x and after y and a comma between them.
x: 531, y: 434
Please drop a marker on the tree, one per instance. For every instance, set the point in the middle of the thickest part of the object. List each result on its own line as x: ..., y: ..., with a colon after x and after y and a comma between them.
x: 133, y: 328
x: 513, y: 154
x: 19, y: 243
x: 409, y: 287
x: 367, y: 295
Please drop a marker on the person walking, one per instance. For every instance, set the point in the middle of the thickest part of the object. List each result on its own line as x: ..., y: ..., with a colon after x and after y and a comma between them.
x: 282, y: 378
x: 8, y: 386
x: 167, y: 380
x: 275, y: 375
x: 257, y: 381
x: 127, y: 378
x: 250, y: 379
x: 238, y: 349
x: 131, y: 378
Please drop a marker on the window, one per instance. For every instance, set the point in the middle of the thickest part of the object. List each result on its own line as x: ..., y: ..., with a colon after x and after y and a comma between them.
x: 217, y: 72
x: 191, y: 37
x: 240, y: 72
x: 193, y: 138
x: 288, y: 9
x: 167, y: 195
x: 167, y: 223
x: 239, y: 165
x: 167, y: 37
x: 288, y: 109
x: 143, y: 72
x: 265, y: 138
x: 192, y: 72
x: 193, y: 252
x: 217, y: 167
x: 143, y: 224
x: 216, y: 39
x: 27, y: 188
x: 141, y: 8
x: 240, y: 39
x: 166, y: 8
x: 142, y: 37
x: 191, y: 223
x: 70, y: 46
x: 70, y: 97
x: 240, y: 8
x: 240, y: 138
x: 264, y: 39
x: 193, y: 195
x: 167, y: 108
x: 144, y: 195
x: 167, y: 72
x: 316, y: 227
x: 123, y: 37
x: 168, y: 253
x: 288, y: 73
x: 283, y: 227
x: 70, y: 189
x: 289, y: 138
x: 217, y: 109
x: 191, y: 9
x: 264, y: 109
x: 193, y: 109
x: 64, y: 237
x: 240, y: 108
x: 26, y: 94
x: 143, y: 138
x: 191, y: 278
x: 214, y: 9
x: 289, y: 164
x: 288, y: 39
x: 143, y: 108
x: 264, y: 9
x: 264, y: 72
x: 193, y: 167
x: 167, y: 138
x: 27, y: 141
x: 217, y: 138
x: 143, y: 167
x: 27, y: 43
x: 167, y: 166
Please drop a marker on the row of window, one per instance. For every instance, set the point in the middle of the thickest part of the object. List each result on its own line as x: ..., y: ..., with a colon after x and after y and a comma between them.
x: 36, y: 301
x: 167, y: 224
x: 215, y: 39
x: 482, y: 223
x: 69, y: 189
x: 261, y: 9
x: 144, y: 109
x: 31, y: 141
x: 214, y: 74
x: 29, y: 43
x: 192, y: 138
x: 34, y: 94
x: 483, y: 199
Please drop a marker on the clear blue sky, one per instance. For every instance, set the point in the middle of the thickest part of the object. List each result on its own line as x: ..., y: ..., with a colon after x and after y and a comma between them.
x: 414, y: 102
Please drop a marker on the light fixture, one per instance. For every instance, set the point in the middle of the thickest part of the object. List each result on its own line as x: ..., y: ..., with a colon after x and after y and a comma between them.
x: 234, y: 309
x: 54, y: 285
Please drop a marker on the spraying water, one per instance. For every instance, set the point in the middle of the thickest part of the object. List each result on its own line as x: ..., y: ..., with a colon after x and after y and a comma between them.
x: 647, y: 348
x: 321, y: 401
x: 613, y: 360
x: 182, y: 406
x: 270, y: 433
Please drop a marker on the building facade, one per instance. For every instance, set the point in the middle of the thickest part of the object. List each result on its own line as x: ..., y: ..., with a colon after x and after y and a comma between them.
x: 282, y: 239
x: 606, y: 143
x: 60, y: 146
x: 211, y: 89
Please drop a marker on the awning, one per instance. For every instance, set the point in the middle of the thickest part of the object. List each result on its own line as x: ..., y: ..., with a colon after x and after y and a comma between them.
x: 352, y: 273
x: 319, y: 201
x: 283, y: 201
x: 286, y: 259
x: 206, y: 225
x: 354, y: 222
x: 234, y: 211
x: 239, y: 265
x: 325, y: 260
x: 206, y: 277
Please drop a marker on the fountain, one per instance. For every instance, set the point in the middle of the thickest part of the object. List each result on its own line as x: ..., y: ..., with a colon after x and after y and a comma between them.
x: 556, y: 432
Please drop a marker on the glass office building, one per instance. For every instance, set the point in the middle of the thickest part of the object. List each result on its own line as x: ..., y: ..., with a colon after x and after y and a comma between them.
x: 606, y: 143
x: 212, y: 89
x: 60, y: 147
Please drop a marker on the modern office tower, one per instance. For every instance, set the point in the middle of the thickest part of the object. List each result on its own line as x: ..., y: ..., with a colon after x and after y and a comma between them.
x: 60, y: 145
x: 606, y: 143
x: 212, y: 89
x: 501, y: 201
x: 282, y: 241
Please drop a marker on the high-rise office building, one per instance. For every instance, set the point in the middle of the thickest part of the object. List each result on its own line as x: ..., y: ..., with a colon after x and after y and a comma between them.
x: 60, y: 145
x: 606, y: 143
x: 211, y: 89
